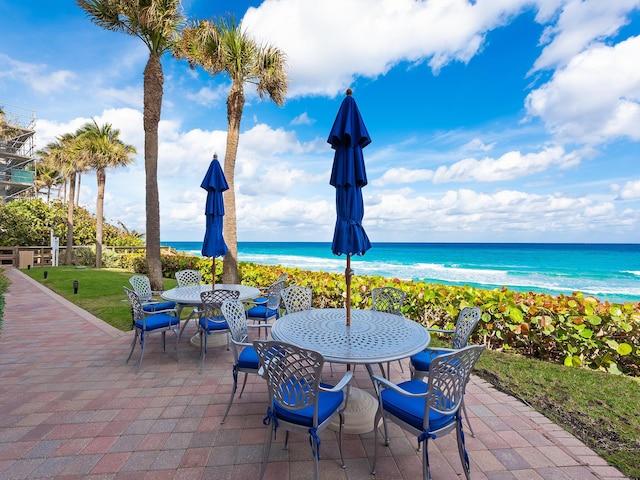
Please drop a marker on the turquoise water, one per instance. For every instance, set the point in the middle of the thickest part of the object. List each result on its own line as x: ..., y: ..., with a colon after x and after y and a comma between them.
x: 608, y: 271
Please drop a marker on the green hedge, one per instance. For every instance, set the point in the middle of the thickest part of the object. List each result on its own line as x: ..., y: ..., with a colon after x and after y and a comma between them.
x: 575, y: 330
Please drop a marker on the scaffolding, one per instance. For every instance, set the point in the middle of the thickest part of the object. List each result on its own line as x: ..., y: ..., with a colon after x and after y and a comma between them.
x: 17, y: 152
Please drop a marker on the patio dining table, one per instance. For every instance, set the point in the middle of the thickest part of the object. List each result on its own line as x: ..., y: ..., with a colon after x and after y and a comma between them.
x: 189, y: 296
x: 372, y: 338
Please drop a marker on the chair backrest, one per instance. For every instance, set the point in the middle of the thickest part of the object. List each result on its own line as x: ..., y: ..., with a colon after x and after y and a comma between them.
x: 142, y: 287
x: 234, y: 314
x: 467, y: 321
x: 187, y: 278
x: 136, y: 305
x: 273, y: 294
x: 292, y: 374
x: 296, y: 298
x: 387, y: 299
x: 448, y: 376
x: 212, y: 302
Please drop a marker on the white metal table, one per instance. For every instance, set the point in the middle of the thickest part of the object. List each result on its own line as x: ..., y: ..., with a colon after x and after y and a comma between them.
x: 189, y: 296
x: 373, y: 338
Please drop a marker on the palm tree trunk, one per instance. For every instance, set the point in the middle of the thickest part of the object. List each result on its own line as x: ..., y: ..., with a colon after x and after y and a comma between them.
x: 101, y: 178
x: 153, y: 80
x: 235, y: 105
x: 68, y: 257
x: 78, y: 188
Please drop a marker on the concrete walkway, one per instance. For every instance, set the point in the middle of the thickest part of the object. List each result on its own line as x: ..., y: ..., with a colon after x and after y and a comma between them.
x: 71, y: 409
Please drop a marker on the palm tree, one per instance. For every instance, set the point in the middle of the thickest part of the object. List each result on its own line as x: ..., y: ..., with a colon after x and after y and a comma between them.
x: 225, y: 47
x: 102, y: 149
x: 156, y: 23
x: 47, y: 177
x: 63, y: 156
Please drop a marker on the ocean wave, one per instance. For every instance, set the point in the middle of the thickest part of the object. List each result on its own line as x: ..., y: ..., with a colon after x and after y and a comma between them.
x: 559, y: 275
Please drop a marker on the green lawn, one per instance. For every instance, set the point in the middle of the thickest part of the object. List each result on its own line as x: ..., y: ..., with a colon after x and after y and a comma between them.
x: 602, y: 410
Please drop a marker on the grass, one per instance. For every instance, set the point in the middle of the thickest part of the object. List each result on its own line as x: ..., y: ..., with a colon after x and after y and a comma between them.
x: 602, y: 410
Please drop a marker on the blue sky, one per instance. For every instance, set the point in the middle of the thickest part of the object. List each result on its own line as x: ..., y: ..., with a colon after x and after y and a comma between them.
x: 491, y: 121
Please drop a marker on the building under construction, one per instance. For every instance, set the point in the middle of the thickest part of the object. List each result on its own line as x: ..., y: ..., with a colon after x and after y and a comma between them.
x: 17, y: 152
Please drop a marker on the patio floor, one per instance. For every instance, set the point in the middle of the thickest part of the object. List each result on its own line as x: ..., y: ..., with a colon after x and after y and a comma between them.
x: 70, y: 408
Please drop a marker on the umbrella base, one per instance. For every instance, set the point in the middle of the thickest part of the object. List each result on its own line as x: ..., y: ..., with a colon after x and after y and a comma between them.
x: 359, y: 414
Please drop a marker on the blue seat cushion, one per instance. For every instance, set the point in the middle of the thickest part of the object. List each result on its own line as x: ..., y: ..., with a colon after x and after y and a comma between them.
x: 422, y: 361
x: 411, y: 410
x: 261, y: 311
x: 159, y: 320
x: 248, y: 358
x: 210, y: 325
x: 328, y: 403
x: 155, y: 307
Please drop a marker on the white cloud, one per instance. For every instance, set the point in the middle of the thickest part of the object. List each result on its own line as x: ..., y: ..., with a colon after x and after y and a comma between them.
x: 37, y: 76
x: 580, y: 23
x: 629, y: 191
x: 596, y: 98
x: 510, y: 166
x: 302, y: 119
x: 477, y: 145
x: 368, y: 37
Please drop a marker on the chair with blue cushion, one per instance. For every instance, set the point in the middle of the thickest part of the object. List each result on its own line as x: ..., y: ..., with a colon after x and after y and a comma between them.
x: 188, y: 278
x: 388, y: 300
x: 211, y: 320
x: 142, y: 286
x: 420, y: 362
x: 428, y: 410
x: 266, y: 308
x: 146, y: 323
x: 296, y: 298
x: 298, y: 402
x: 245, y: 357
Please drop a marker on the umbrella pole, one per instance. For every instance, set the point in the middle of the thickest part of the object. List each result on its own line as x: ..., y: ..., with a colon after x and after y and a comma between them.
x: 347, y: 274
x: 213, y: 273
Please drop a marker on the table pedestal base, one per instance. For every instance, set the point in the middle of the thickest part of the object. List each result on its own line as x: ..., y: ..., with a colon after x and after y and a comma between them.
x: 212, y: 341
x: 360, y: 413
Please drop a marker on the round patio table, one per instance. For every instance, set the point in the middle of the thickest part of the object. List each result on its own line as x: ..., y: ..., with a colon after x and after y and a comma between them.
x: 373, y: 338
x: 189, y: 296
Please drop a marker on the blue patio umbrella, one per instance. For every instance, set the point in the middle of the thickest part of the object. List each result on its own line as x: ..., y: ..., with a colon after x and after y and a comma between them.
x: 214, y: 183
x: 348, y: 137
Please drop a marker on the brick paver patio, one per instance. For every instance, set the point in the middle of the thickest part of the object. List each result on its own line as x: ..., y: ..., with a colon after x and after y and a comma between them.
x: 71, y: 409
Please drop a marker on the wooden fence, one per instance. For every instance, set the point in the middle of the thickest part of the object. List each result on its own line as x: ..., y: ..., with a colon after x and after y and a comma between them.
x: 31, y: 257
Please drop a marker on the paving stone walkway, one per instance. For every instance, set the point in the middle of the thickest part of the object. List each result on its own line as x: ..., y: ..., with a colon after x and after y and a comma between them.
x: 71, y: 409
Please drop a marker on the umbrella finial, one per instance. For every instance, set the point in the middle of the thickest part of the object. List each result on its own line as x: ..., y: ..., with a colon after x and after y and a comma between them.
x: 349, y: 92
x: 215, y: 156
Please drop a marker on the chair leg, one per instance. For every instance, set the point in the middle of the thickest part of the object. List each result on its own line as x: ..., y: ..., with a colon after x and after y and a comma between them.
x: 267, y: 450
x: 244, y: 384
x: 133, y: 346
x: 203, y: 347
x: 462, y: 449
x: 142, y: 342
x: 340, y: 440
x: 466, y: 417
x: 376, y: 421
x: 233, y: 392
x: 426, y: 469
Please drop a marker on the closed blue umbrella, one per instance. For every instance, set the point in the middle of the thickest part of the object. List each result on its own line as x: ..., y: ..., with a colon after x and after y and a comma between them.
x: 348, y: 137
x: 214, y: 183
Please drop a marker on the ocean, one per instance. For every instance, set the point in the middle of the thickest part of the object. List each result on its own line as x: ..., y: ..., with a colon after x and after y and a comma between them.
x: 606, y: 271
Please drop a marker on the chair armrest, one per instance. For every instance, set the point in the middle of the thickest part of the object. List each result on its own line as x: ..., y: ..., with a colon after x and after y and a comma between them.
x: 440, y: 330
x: 341, y: 384
x: 381, y: 381
x: 440, y: 349
x: 259, y: 325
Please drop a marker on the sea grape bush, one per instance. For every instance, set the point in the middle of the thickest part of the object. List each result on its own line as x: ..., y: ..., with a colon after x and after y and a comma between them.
x: 575, y: 330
